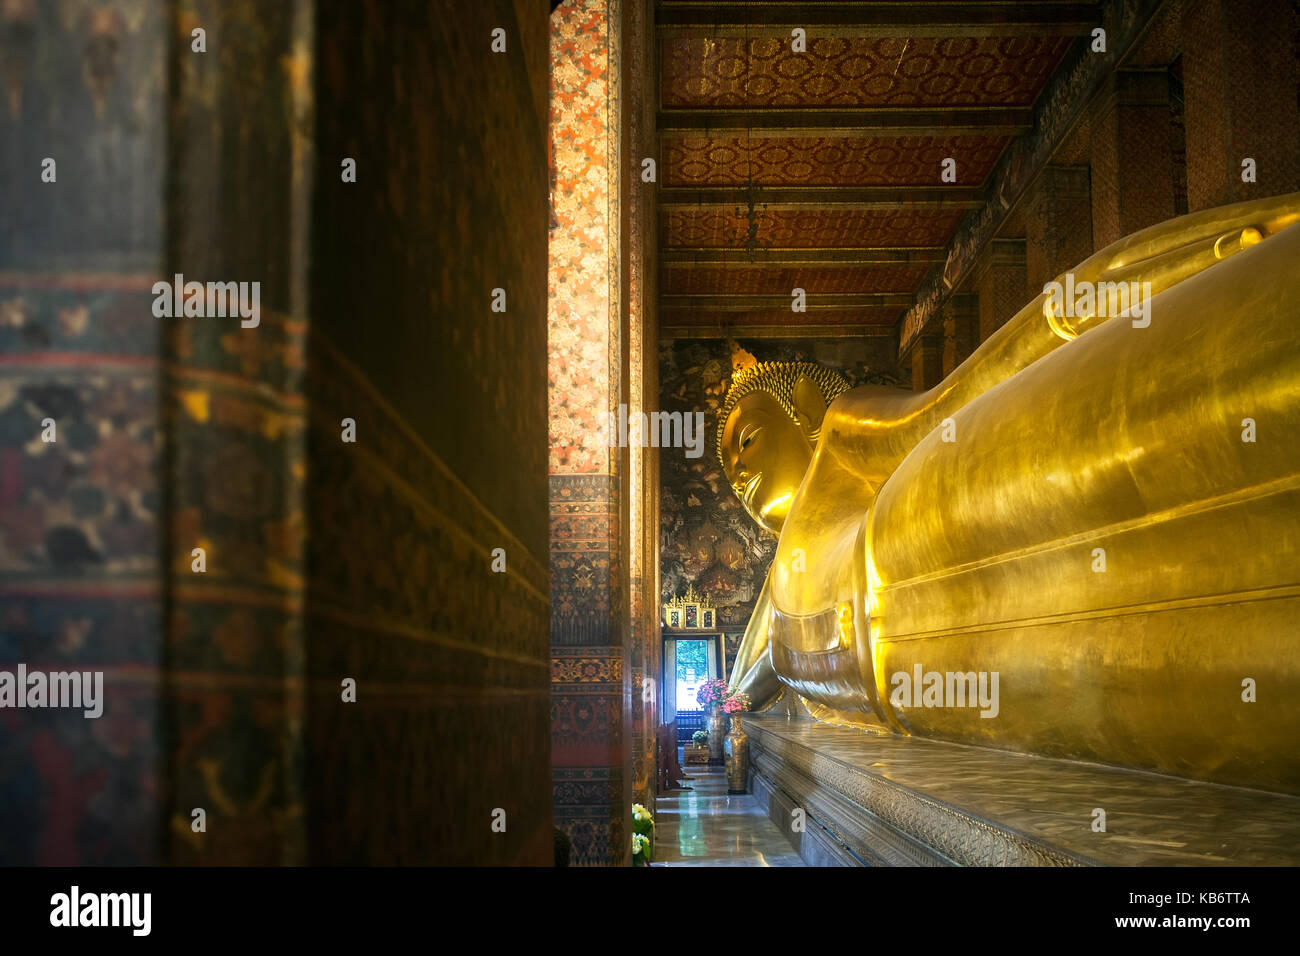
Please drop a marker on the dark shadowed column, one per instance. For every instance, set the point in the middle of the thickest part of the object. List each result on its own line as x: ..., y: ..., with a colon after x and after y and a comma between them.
x: 927, y: 362
x: 83, y: 93
x: 1058, y: 225
x: 999, y: 280
x: 427, y: 535
x: 1132, y: 154
x: 240, y: 151
x: 960, y: 329
x: 1240, y: 93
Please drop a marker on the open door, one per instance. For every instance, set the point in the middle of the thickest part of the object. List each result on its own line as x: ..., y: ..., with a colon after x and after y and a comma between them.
x: 668, y: 693
x: 690, y: 659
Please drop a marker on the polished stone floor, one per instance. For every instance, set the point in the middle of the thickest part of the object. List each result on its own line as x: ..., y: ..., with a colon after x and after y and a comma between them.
x: 706, y: 827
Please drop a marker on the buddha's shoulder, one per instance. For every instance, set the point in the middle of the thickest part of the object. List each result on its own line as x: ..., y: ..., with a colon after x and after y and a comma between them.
x: 876, y: 403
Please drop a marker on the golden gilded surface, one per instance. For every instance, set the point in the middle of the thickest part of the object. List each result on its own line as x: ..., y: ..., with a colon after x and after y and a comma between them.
x: 1095, y: 519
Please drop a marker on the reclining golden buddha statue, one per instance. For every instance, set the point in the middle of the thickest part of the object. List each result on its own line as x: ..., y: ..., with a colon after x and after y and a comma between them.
x: 1083, y: 543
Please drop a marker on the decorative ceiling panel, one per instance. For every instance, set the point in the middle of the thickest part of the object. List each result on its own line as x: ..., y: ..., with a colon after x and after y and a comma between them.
x: 863, y: 72
x: 810, y: 228
x: 703, y: 319
x: 814, y: 280
x: 828, y: 160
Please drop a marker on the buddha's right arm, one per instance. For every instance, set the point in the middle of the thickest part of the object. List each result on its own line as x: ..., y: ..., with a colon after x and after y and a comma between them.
x: 752, y: 672
x: 878, y: 427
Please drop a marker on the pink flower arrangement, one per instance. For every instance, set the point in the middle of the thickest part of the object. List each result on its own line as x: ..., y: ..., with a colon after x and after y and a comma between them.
x: 735, y: 703
x: 711, y: 692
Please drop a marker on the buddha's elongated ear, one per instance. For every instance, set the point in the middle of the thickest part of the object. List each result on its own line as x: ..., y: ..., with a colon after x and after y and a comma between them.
x: 809, y: 406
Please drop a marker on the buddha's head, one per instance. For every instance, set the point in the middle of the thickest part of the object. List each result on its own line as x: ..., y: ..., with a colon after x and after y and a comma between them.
x: 769, y: 425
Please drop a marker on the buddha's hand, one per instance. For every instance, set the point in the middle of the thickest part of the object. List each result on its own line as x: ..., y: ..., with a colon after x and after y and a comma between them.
x: 1167, y: 253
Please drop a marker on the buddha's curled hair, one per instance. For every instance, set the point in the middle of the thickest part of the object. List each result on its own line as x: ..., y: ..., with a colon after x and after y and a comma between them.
x: 778, y: 380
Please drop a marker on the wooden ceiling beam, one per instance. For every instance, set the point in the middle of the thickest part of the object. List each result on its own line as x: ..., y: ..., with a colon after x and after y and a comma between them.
x: 776, y: 303
x: 692, y: 256
x: 836, y: 198
x: 848, y: 121
x: 938, y: 19
x: 776, y: 332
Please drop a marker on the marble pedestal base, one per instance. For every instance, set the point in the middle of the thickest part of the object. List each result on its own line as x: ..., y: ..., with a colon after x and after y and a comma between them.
x: 890, y: 801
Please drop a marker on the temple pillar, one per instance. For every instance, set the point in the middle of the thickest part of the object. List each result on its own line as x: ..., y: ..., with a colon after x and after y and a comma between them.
x: 1239, y: 81
x: 592, y: 730
x: 927, y: 361
x: 960, y: 329
x: 428, y: 552
x: 1058, y: 225
x: 235, y: 421
x: 1132, y: 155
x: 640, y: 288
x: 999, y: 282
x: 82, y: 572
x: 225, y: 680
x: 170, y: 559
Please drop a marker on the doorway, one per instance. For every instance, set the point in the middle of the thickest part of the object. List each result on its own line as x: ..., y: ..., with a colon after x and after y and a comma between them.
x: 689, y: 661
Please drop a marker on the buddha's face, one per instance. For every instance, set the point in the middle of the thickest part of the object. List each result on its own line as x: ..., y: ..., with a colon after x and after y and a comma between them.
x: 764, y: 454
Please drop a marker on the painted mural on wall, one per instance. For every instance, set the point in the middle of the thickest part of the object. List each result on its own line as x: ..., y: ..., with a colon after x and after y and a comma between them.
x: 706, y: 538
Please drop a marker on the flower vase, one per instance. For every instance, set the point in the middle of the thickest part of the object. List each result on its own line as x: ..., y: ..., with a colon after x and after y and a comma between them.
x: 737, y: 757
x: 717, y: 724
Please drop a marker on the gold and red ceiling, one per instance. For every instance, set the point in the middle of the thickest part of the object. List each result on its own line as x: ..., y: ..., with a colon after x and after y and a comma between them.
x: 839, y: 147
x: 868, y: 71
x: 823, y: 160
